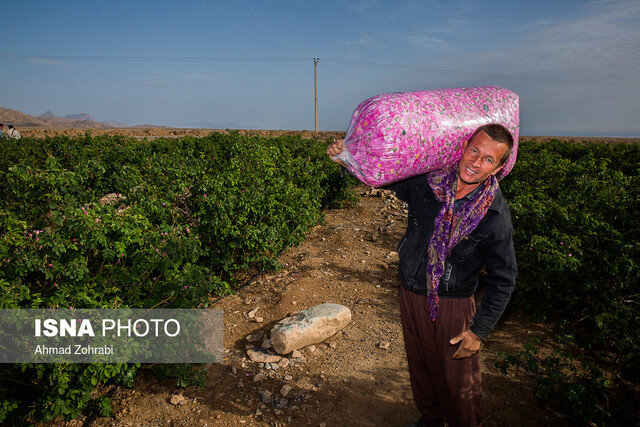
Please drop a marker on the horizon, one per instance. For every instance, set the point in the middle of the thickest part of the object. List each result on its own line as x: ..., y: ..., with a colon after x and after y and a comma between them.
x: 573, y: 64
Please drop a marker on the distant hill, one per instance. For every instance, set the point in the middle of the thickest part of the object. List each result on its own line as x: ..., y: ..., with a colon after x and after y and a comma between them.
x: 80, y: 116
x: 206, y: 124
x: 49, y: 120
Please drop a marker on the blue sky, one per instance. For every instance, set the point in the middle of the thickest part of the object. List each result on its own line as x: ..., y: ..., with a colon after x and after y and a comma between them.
x: 573, y: 64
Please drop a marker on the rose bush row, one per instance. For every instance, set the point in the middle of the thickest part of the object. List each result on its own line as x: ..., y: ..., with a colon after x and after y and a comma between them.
x: 188, y: 216
x: 577, y: 236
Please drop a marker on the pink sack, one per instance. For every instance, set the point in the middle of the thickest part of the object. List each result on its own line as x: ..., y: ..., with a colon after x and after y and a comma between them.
x: 394, y: 136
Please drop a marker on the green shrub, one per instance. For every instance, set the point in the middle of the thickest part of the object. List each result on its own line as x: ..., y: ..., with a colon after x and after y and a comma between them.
x: 191, y: 213
x: 576, y: 389
x: 577, y: 236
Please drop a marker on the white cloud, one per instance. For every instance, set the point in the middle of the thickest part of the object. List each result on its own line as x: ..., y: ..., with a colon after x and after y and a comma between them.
x: 426, y: 41
x: 41, y: 61
x: 601, y: 44
x: 363, y: 6
x: 365, y: 40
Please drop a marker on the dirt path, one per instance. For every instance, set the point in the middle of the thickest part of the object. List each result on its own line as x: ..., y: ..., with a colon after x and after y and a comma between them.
x: 349, y: 379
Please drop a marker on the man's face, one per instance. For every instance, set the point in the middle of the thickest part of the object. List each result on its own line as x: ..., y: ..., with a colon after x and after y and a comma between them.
x: 480, y: 158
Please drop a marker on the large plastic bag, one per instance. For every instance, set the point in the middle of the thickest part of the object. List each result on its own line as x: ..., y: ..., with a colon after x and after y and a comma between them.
x: 394, y: 136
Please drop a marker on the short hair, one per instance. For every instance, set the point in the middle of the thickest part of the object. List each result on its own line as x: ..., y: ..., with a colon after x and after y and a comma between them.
x: 10, y: 126
x: 498, y: 133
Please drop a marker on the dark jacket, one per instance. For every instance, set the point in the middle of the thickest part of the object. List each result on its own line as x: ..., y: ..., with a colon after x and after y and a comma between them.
x: 490, y: 245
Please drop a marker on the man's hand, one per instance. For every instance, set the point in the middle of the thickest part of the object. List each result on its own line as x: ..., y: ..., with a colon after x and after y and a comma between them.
x: 335, y: 149
x: 469, y: 344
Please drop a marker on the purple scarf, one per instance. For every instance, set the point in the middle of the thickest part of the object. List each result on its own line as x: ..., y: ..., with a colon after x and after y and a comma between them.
x: 450, y: 228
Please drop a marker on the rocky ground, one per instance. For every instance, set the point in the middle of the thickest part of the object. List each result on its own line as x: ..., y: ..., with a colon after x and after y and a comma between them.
x: 356, y: 377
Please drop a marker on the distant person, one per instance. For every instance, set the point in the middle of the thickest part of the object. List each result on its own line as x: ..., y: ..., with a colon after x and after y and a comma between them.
x: 1, y: 130
x: 13, y: 133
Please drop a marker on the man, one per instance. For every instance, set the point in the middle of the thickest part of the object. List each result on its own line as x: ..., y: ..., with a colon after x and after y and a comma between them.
x: 458, y: 223
x: 1, y: 130
x: 13, y: 133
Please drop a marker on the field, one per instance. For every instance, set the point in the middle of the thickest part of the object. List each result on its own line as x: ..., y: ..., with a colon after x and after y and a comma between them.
x: 575, y: 215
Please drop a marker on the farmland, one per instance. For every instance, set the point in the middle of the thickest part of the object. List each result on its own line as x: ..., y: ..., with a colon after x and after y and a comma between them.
x: 206, y: 211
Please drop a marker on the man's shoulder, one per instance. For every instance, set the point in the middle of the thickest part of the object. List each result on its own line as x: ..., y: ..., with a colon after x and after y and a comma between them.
x: 499, y: 204
x: 498, y: 218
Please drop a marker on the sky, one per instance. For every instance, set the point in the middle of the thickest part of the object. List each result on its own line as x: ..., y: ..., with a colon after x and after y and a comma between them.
x: 249, y: 64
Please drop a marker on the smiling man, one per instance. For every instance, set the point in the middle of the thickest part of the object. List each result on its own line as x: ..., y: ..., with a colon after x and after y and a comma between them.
x: 458, y: 224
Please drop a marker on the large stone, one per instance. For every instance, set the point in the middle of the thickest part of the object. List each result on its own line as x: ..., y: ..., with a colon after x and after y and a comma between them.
x: 309, y: 326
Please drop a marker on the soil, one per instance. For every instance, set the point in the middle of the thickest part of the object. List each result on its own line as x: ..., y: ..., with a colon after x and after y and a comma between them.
x: 348, y: 379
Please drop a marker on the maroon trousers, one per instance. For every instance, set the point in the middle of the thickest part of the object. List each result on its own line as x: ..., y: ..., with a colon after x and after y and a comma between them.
x: 442, y: 386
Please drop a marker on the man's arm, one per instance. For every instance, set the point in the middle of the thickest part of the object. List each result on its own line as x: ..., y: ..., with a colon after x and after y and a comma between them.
x: 500, y: 261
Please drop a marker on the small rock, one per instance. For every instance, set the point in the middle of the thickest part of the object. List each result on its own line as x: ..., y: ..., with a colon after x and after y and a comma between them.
x: 252, y: 313
x: 383, y: 344
x: 281, y: 403
x: 260, y: 355
x: 234, y: 370
x: 296, y: 354
x: 284, y: 362
x: 177, y: 399
x: 266, y: 344
x: 275, y: 366
x: 277, y: 411
x: 258, y: 412
x: 288, y: 377
x: 259, y: 377
x: 312, y: 348
x: 333, y: 344
x: 258, y: 319
x: 285, y: 389
x: 265, y: 395
x: 255, y: 337
x: 111, y: 198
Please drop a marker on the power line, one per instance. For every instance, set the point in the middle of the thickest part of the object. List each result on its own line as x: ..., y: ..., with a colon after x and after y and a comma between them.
x: 277, y: 59
x: 143, y: 58
x: 477, y: 73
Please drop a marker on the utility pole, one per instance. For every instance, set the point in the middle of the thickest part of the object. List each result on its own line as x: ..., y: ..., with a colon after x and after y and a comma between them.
x: 315, y: 87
